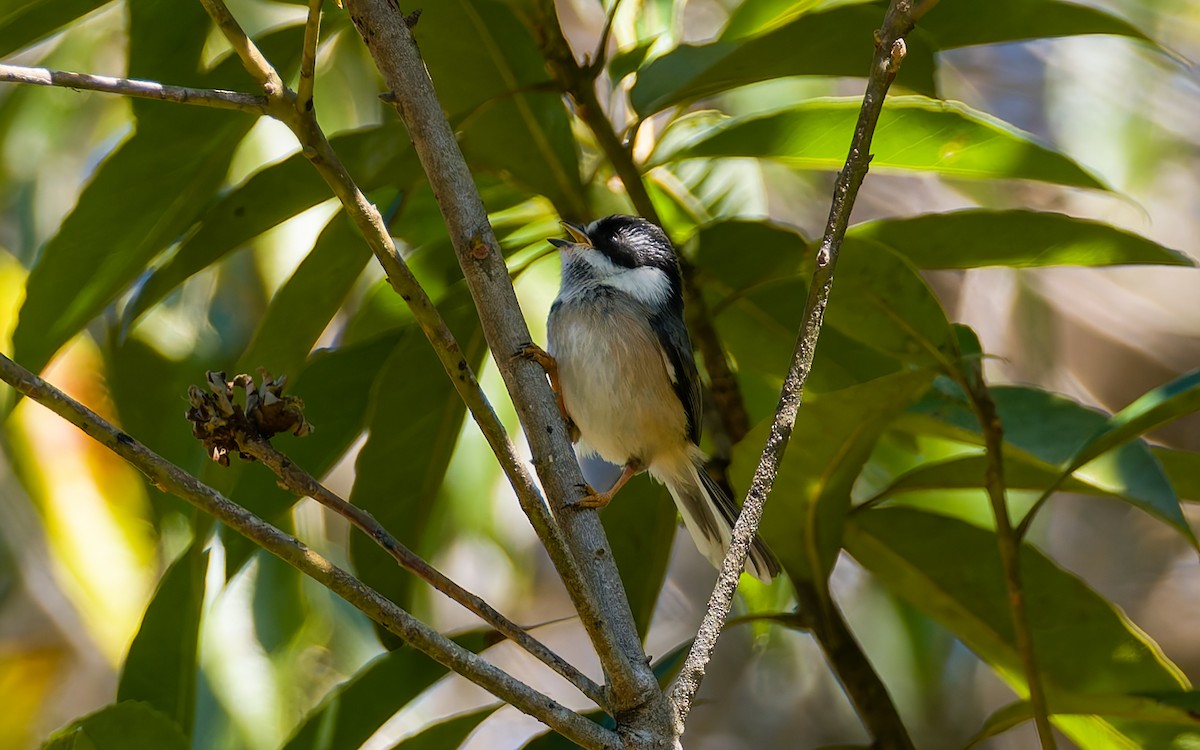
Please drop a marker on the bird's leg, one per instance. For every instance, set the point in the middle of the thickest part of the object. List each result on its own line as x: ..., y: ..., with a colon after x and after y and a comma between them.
x: 601, y: 499
x: 535, y: 353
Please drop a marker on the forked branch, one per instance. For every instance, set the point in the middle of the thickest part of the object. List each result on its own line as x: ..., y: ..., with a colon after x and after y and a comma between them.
x: 170, y: 478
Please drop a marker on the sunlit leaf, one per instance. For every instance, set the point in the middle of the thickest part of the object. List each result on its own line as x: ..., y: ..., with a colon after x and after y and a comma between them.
x: 144, y: 194
x: 914, y: 133
x: 880, y: 300
x: 831, y: 442
x: 351, y: 712
x: 511, y: 121
x: 305, y: 304
x: 627, y: 61
x: 882, y: 312
x: 160, y: 669
x: 1052, y: 429
x: 413, y: 422
x: 754, y: 17
x: 1016, y: 238
x: 957, y: 24
x: 119, y: 727
x: 1152, y: 410
x: 1179, y: 708
x: 447, y: 734
x: 951, y: 570
x: 970, y: 22
x: 374, y: 157
x: 23, y: 23
x: 837, y: 42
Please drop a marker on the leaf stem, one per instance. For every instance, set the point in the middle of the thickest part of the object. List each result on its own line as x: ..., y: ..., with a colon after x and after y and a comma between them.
x: 1009, y: 543
x: 170, y: 478
x: 889, y: 53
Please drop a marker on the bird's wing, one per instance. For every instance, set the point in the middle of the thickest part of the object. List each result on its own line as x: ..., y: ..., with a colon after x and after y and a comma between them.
x: 681, y: 366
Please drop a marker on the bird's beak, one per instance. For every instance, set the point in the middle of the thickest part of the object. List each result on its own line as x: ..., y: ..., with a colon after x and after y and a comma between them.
x: 578, y: 233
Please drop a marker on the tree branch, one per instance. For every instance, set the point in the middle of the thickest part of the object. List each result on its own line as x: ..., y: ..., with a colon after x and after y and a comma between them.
x: 371, y: 225
x: 218, y: 98
x: 636, y: 699
x: 170, y: 478
x: 1009, y: 543
x: 889, y: 53
x: 308, y: 57
x: 252, y: 59
x: 246, y: 428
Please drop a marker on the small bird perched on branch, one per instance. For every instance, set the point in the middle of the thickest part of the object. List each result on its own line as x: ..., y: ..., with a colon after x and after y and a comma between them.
x: 621, y: 364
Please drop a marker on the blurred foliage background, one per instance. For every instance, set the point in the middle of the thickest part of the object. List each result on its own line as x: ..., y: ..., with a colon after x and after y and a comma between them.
x: 142, y: 243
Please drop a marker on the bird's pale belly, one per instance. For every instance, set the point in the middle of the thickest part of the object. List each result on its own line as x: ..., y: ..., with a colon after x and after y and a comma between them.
x: 615, y: 383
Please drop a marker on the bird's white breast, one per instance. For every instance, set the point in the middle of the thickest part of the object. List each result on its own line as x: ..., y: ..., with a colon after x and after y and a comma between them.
x: 614, y: 377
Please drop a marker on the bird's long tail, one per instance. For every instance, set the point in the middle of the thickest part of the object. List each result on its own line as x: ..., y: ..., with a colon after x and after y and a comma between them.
x: 709, y: 515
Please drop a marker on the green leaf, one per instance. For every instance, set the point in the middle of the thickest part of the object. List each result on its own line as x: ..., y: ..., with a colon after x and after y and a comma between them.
x: 120, y: 726
x: 756, y: 274
x: 831, y: 442
x: 1174, y: 708
x: 448, y: 734
x: 961, y: 24
x: 492, y: 80
x: 413, y: 423
x: 1017, y: 238
x: 1052, y: 430
x: 880, y: 300
x: 957, y: 24
x: 836, y: 42
x: 351, y: 712
x: 629, y: 60
x: 958, y: 581
x: 302, y: 308
x: 640, y: 524
x: 1183, y: 468
x: 144, y: 194
x: 1152, y: 410
x: 23, y: 23
x: 374, y: 157
x: 914, y: 133
x: 160, y: 668
x: 1021, y: 472
x: 753, y: 17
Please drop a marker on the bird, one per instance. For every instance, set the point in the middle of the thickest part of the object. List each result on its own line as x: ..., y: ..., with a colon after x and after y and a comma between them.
x: 621, y: 365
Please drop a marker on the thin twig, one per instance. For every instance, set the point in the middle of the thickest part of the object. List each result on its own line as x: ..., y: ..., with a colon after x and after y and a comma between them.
x: 634, y: 693
x: 304, y: 484
x: 889, y: 53
x: 217, y: 98
x: 596, y: 64
x: 252, y: 59
x: 1009, y: 544
x: 170, y: 478
x: 308, y: 56
x: 371, y: 225
x: 580, y: 82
